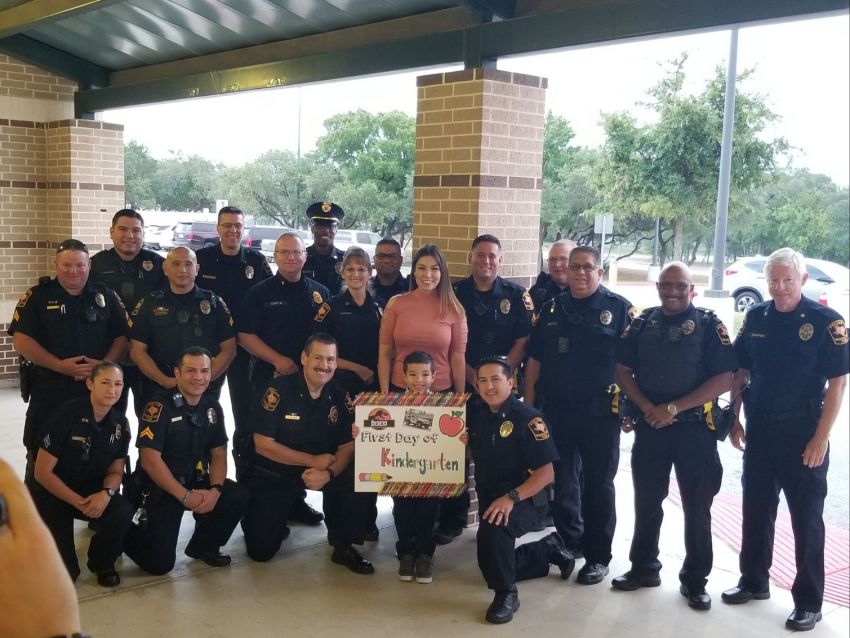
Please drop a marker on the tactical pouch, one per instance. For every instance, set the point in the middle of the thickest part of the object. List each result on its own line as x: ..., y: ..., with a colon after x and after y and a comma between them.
x: 26, y: 376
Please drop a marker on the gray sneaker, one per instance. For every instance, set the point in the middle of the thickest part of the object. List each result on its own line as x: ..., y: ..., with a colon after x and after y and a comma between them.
x: 405, y: 567
x: 423, y: 569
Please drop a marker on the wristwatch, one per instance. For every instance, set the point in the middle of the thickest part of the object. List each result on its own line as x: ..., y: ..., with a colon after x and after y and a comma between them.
x: 514, y: 496
x: 672, y: 409
x: 109, y: 491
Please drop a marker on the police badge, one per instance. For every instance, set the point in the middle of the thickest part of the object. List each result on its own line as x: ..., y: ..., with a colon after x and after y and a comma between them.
x: 806, y: 331
x: 249, y: 272
x: 688, y: 327
x: 333, y: 414
x: 100, y: 300
x: 505, y: 429
x: 212, y: 417
x: 205, y: 306
x: 326, y: 207
x: 147, y: 264
x: 605, y: 317
x: 505, y: 306
x: 317, y: 296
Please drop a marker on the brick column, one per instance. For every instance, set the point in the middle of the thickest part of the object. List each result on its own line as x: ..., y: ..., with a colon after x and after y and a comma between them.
x: 59, y: 178
x: 479, y: 158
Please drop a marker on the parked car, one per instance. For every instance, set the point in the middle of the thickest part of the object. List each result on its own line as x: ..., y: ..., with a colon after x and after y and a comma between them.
x: 195, y: 235
x: 828, y: 283
x: 255, y: 235
x: 344, y: 239
x: 158, y: 237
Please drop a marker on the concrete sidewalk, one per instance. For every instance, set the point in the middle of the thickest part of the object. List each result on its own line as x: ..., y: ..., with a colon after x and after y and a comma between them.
x: 302, y: 591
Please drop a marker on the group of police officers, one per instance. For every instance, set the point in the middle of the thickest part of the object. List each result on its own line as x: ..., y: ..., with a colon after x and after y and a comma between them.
x: 592, y: 368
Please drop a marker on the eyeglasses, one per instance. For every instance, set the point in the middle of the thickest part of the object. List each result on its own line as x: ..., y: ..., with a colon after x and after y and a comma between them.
x: 585, y: 268
x: 667, y: 287
x: 387, y: 256
x: 289, y: 253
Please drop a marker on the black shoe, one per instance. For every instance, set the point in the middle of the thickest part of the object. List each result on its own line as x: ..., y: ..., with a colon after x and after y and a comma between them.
x: 502, y: 609
x: 213, y: 558
x: 351, y: 558
x: 302, y: 512
x: 108, y: 578
x: 592, y: 574
x: 632, y: 580
x: 557, y: 555
x: 740, y: 595
x: 697, y: 597
x: 801, y: 620
x: 372, y: 535
x: 446, y: 536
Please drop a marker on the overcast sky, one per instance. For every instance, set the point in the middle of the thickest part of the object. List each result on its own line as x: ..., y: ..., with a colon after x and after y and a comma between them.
x: 801, y: 67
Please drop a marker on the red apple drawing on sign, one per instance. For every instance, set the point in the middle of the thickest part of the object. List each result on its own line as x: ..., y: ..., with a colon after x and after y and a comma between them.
x: 451, y: 424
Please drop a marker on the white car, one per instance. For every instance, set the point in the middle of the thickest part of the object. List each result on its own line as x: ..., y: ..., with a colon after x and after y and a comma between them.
x: 828, y: 283
x: 159, y: 237
x: 344, y: 239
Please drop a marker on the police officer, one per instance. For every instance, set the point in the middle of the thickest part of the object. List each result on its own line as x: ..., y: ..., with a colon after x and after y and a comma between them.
x: 302, y: 438
x: 388, y: 280
x: 513, y: 455
x: 789, y: 350
x: 324, y: 260
x: 229, y: 269
x: 570, y: 370
x: 65, y: 326
x: 183, y: 466
x: 557, y: 280
x: 277, y: 316
x: 166, y: 322
x: 498, y: 317
x: 673, y: 363
x: 79, y: 469
x: 132, y: 272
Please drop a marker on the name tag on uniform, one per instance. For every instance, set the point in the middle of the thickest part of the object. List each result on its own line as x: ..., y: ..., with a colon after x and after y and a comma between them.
x: 176, y: 418
x: 292, y: 417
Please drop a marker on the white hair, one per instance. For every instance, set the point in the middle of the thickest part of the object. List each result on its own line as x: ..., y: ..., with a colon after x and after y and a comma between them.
x: 786, y: 257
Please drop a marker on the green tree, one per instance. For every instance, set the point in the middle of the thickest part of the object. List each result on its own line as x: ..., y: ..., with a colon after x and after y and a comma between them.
x: 278, y: 186
x: 185, y: 183
x: 375, y: 154
x: 139, y: 167
x: 669, y: 168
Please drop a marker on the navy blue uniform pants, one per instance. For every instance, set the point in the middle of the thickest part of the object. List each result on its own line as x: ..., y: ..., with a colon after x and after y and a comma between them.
x: 692, y: 449
x: 109, y: 530
x: 154, y: 548
x: 271, y: 500
x: 502, y: 563
x: 773, y: 462
x: 414, y: 523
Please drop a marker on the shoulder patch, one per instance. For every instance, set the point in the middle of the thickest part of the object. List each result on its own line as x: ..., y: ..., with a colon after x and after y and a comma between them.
x: 147, y: 433
x: 324, y: 310
x: 526, y: 300
x: 24, y: 298
x: 270, y: 399
x: 538, y: 429
x: 723, y: 334
x: 152, y: 412
x: 838, y: 332
x: 632, y: 312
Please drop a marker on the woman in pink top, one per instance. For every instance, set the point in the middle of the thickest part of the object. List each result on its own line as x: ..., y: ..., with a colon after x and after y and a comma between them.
x: 428, y: 318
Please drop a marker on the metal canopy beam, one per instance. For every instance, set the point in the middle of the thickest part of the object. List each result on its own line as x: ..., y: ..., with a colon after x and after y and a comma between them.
x: 503, y: 9
x: 34, y: 12
x: 549, y: 26
x: 85, y: 74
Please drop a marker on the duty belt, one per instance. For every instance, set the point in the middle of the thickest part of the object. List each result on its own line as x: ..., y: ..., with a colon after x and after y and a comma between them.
x: 781, y: 417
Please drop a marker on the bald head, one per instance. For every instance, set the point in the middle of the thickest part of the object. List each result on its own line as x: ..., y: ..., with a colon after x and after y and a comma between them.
x: 680, y: 268
x: 181, y: 268
x: 675, y: 288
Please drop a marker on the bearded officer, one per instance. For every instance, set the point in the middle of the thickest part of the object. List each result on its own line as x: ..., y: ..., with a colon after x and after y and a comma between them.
x: 793, y: 354
x: 673, y: 363
x: 324, y: 260
x: 183, y: 466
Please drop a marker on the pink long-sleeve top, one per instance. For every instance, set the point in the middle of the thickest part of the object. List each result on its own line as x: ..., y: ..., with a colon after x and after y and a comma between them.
x: 412, y: 322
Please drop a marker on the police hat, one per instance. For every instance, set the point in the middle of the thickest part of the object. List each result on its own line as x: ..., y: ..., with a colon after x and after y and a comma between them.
x: 324, y: 213
x: 72, y: 244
